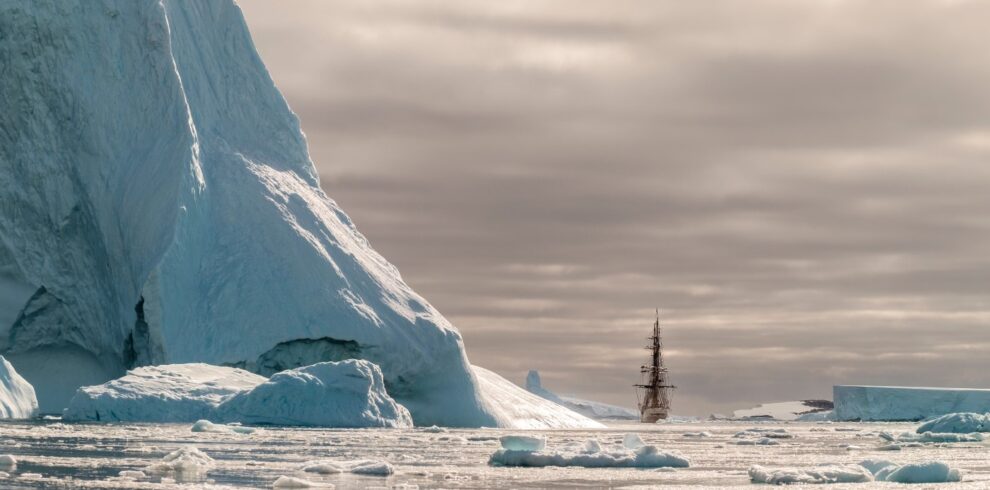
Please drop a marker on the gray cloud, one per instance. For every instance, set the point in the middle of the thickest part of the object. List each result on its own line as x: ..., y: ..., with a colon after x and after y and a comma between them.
x: 801, y: 186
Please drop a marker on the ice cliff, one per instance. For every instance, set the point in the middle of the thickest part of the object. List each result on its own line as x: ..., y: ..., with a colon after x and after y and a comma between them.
x: 158, y: 205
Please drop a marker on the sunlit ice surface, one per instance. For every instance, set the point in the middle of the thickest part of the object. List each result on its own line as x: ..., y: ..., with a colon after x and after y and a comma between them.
x: 51, y: 454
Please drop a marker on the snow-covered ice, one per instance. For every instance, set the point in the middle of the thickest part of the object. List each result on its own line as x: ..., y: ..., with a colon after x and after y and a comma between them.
x: 183, y: 462
x: 17, y: 398
x: 804, y: 476
x: 591, y: 409
x: 293, y: 482
x: 207, y: 426
x: 958, y: 423
x: 330, y: 394
x: 895, y: 403
x: 169, y: 393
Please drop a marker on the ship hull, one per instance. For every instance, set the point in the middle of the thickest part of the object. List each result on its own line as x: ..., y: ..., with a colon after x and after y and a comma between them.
x: 652, y: 415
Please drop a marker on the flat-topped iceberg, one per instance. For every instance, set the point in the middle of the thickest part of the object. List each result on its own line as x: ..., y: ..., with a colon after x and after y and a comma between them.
x: 17, y: 399
x: 169, y: 393
x: 330, y: 394
x: 893, y: 403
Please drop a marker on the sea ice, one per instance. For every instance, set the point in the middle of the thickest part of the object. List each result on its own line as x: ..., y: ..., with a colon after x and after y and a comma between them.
x: 207, y: 426
x: 963, y: 423
x: 928, y: 472
x: 17, y: 399
x: 331, y: 394
x: 8, y: 462
x: 184, y: 461
x: 367, y: 467
x: 523, y: 443
x: 632, y: 441
x: 592, y: 455
x: 816, y: 475
x: 293, y: 482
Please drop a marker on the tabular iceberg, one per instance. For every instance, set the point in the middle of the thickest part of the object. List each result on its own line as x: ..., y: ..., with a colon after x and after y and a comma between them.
x: 159, y: 206
x: 889, y: 403
x: 17, y: 399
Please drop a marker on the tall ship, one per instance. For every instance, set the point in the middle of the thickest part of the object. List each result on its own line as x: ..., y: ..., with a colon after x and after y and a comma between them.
x: 653, y: 395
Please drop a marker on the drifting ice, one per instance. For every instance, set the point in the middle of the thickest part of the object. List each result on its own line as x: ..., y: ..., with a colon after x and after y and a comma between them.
x: 592, y: 455
x: 150, y: 210
x: 866, y: 471
x: 962, y: 423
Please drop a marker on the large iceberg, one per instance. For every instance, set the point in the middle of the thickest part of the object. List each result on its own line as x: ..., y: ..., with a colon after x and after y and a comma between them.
x: 891, y: 403
x: 158, y: 205
x: 588, y: 408
x: 17, y: 398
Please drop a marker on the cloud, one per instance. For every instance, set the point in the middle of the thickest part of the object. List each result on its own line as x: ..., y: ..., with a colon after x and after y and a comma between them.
x: 801, y: 186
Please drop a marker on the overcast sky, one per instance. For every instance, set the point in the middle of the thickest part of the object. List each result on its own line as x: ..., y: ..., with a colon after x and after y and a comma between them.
x: 803, y: 187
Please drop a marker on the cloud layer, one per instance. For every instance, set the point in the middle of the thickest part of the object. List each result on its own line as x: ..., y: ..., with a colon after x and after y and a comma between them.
x: 801, y: 186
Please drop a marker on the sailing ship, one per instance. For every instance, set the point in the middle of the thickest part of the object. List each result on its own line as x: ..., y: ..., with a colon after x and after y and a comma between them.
x: 654, y: 404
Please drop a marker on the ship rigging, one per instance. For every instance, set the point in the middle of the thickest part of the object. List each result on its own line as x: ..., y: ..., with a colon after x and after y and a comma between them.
x: 654, y: 404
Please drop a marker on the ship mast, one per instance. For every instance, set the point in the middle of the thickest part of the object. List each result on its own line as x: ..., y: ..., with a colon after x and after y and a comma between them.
x: 655, y: 404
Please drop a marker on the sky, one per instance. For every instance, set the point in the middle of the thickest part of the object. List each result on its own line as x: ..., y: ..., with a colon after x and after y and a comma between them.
x: 802, y: 186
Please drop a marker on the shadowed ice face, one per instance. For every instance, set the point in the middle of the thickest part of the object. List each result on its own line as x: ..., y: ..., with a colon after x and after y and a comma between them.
x: 802, y: 187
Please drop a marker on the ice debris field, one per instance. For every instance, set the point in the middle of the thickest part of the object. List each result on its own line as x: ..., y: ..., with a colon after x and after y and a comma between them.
x: 54, y: 454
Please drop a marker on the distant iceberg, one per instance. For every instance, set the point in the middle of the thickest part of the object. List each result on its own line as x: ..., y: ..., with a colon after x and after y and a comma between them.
x: 595, y: 410
x: 898, y: 403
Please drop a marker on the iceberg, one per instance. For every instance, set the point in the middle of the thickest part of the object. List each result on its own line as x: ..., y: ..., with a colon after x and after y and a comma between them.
x: 591, y: 455
x: 962, y: 423
x: 160, y: 207
x: 591, y: 409
x: 896, y: 403
x: 329, y: 394
x: 17, y: 398
x: 170, y: 393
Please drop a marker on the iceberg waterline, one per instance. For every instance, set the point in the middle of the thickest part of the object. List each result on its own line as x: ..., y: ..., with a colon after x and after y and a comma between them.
x: 159, y: 206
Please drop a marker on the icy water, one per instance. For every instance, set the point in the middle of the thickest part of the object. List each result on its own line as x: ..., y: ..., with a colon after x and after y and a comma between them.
x: 92, y: 456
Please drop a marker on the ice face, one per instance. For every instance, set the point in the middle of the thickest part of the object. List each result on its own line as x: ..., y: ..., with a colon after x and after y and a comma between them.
x: 17, y: 399
x: 159, y: 206
x: 892, y: 403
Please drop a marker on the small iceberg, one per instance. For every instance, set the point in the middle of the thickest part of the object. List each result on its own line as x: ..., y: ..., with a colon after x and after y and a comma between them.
x: 17, y: 398
x: 591, y: 455
x: 959, y: 423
